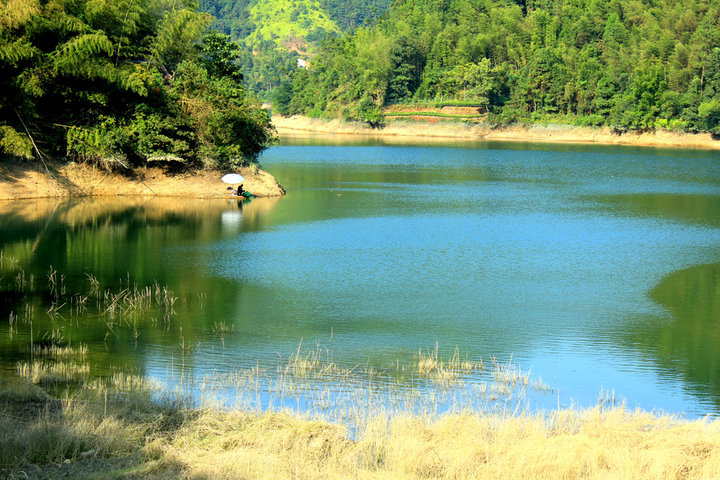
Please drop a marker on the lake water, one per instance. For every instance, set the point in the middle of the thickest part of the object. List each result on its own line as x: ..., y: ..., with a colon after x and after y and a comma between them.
x: 595, y: 268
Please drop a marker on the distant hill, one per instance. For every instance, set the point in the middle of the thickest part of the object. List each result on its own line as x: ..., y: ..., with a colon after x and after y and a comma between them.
x: 276, y: 34
x: 289, y: 24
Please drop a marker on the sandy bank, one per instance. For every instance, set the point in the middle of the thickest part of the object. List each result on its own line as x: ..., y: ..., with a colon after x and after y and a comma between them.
x: 429, y: 129
x: 31, y: 180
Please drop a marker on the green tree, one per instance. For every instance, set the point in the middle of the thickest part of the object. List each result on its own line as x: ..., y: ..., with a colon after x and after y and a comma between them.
x: 406, y: 70
x: 220, y: 56
x: 115, y: 82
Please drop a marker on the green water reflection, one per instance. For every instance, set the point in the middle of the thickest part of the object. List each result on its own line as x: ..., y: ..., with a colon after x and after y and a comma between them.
x: 690, y: 208
x: 689, y: 341
x: 120, y: 241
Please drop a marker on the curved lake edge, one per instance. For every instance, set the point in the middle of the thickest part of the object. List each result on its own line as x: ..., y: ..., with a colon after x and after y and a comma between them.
x: 27, y: 180
x: 412, y: 130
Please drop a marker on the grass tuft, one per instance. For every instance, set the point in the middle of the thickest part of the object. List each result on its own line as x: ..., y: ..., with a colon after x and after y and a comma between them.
x: 53, y: 372
x: 446, y: 371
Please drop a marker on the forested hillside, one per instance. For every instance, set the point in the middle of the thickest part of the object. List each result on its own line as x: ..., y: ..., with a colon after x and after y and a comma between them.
x: 276, y: 33
x: 122, y: 83
x: 631, y: 64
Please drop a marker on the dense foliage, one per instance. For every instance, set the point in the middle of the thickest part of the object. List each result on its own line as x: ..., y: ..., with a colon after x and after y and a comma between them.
x: 631, y: 64
x: 276, y: 33
x: 123, y: 83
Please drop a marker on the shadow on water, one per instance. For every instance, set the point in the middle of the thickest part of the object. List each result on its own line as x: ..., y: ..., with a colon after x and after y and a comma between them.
x: 691, y: 341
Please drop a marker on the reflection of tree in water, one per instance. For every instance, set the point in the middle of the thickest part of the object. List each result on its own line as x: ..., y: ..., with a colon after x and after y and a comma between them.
x: 690, y: 342
x: 119, y: 229
x: 116, y: 240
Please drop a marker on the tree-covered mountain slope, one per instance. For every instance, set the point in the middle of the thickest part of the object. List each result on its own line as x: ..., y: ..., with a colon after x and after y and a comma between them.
x: 631, y: 64
x: 276, y: 33
x: 289, y: 24
x: 253, y: 21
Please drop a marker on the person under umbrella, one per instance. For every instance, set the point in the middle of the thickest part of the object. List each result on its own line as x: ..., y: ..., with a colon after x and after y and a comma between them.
x: 234, y: 178
x: 239, y: 191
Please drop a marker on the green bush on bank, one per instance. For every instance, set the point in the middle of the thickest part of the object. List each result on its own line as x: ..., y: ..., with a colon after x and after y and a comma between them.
x: 14, y: 143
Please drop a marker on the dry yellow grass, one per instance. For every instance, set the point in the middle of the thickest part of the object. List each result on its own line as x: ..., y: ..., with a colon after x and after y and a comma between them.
x: 55, y: 372
x: 594, y: 444
x: 127, y: 427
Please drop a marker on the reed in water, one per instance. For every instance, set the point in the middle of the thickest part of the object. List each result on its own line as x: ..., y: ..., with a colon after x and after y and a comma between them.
x: 126, y: 426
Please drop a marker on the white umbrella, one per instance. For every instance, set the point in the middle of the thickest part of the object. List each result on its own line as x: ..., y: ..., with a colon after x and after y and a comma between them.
x: 232, y: 178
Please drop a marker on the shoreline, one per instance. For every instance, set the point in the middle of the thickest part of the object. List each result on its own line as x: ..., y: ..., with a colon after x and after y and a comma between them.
x: 31, y: 180
x: 127, y: 426
x: 433, y: 129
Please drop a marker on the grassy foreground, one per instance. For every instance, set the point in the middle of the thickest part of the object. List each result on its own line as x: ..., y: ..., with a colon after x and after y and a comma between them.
x: 124, y: 427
